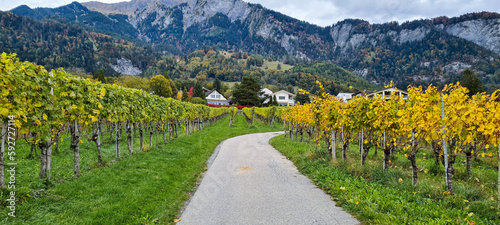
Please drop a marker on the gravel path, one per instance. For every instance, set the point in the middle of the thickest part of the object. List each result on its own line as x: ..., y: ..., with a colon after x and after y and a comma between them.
x: 250, y: 182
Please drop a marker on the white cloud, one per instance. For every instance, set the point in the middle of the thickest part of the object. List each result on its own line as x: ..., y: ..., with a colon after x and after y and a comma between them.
x: 328, y: 12
x: 6, y: 5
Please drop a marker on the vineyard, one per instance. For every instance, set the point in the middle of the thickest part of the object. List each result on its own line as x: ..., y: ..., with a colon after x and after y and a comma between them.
x: 41, y: 105
x: 269, y: 115
x: 447, y: 124
x: 66, y: 137
x: 82, y: 122
x: 448, y: 120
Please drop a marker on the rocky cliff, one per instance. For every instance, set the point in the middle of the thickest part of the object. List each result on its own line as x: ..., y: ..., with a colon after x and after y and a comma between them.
x: 483, y: 32
x: 422, y: 50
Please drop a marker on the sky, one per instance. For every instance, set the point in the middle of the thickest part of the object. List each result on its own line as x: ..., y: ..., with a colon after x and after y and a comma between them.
x: 328, y: 12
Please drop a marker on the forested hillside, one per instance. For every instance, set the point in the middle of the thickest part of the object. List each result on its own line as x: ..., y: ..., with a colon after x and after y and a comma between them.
x: 56, y: 44
x: 207, y: 63
x: 415, y: 52
x: 77, y: 13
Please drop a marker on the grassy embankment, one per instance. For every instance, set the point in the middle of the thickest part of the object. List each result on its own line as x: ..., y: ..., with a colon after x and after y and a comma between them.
x: 378, y: 197
x: 147, y: 187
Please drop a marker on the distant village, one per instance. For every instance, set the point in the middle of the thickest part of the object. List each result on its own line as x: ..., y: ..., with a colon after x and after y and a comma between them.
x: 285, y: 98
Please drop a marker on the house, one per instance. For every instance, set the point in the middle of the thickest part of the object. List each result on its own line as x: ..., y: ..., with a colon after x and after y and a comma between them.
x: 385, y: 93
x: 345, y: 96
x: 267, y: 94
x: 206, y: 90
x: 284, y: 98
x: 214, y: 97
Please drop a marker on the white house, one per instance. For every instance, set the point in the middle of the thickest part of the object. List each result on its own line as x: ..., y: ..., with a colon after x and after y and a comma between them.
x: 214, y: 97
x: 266, y: 93
x: 384, y: 94
x: 345, y: 96
x: 284, y: 98
x: 387, y: 93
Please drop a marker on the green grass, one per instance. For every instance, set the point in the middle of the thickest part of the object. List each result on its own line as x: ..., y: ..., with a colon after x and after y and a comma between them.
x: 274, y: 65
x: 143, y: 188
x: 270, y: 65
x: 230, y: 84
x: 378, y: 197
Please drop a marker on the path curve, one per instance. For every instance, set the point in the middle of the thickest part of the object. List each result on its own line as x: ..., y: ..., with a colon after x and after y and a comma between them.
x: 250, y: 182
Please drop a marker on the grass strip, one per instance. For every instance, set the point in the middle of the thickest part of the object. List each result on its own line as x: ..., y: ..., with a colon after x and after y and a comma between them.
x: 148, y: 187
x: 377, y: 197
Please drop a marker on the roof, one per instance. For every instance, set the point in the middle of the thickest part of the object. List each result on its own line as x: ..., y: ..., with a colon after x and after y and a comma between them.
x: 391, y: 89
x: 344, y: 93
x: 207, y: 93
x: 266, y: 91
x: 212, y: 91
x: 283, y: 91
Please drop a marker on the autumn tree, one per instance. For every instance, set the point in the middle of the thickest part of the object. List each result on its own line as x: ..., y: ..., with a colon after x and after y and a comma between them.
x: 161, y: 86
x: 172, y: 85
x: 133, y: 82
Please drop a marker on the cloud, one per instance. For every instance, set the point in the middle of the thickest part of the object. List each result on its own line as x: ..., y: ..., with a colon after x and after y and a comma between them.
x: 328, y: 12
x: 6, y: 5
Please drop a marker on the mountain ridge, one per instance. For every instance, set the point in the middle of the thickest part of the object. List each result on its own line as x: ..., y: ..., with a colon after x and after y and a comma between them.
x: 431, y: 50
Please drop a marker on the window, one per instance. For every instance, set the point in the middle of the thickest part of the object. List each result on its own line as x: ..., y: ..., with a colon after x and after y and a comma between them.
x: 217, y: 96
x: 212, y: 96
x: 281, y: 97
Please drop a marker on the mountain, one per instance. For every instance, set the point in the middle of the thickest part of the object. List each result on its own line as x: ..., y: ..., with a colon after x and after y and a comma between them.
x: 233, y: 24
x: 56, y: 44
x: 417, y: 52
x: 77, y: 13
x: 480, y: 28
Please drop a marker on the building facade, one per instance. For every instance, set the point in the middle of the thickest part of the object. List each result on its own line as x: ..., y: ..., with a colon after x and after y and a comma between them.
x: 214, y: 97
x: 284, y: 98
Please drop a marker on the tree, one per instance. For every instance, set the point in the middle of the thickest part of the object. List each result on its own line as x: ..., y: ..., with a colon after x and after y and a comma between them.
x: 190, y: 93
x: 217, y: 84
x: 198, y: 100
x: 133, y: 82
x: 471, y: 82
x: 172, y: 85
x: 302, y: 98
x: 278, y: 67
x: 100, y: 77
x: 247, y: 93
x: 174, y: 88
x: 185, y: 95
x: 274, y: 101
x: 198, y: 91
x: 161, y: 86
